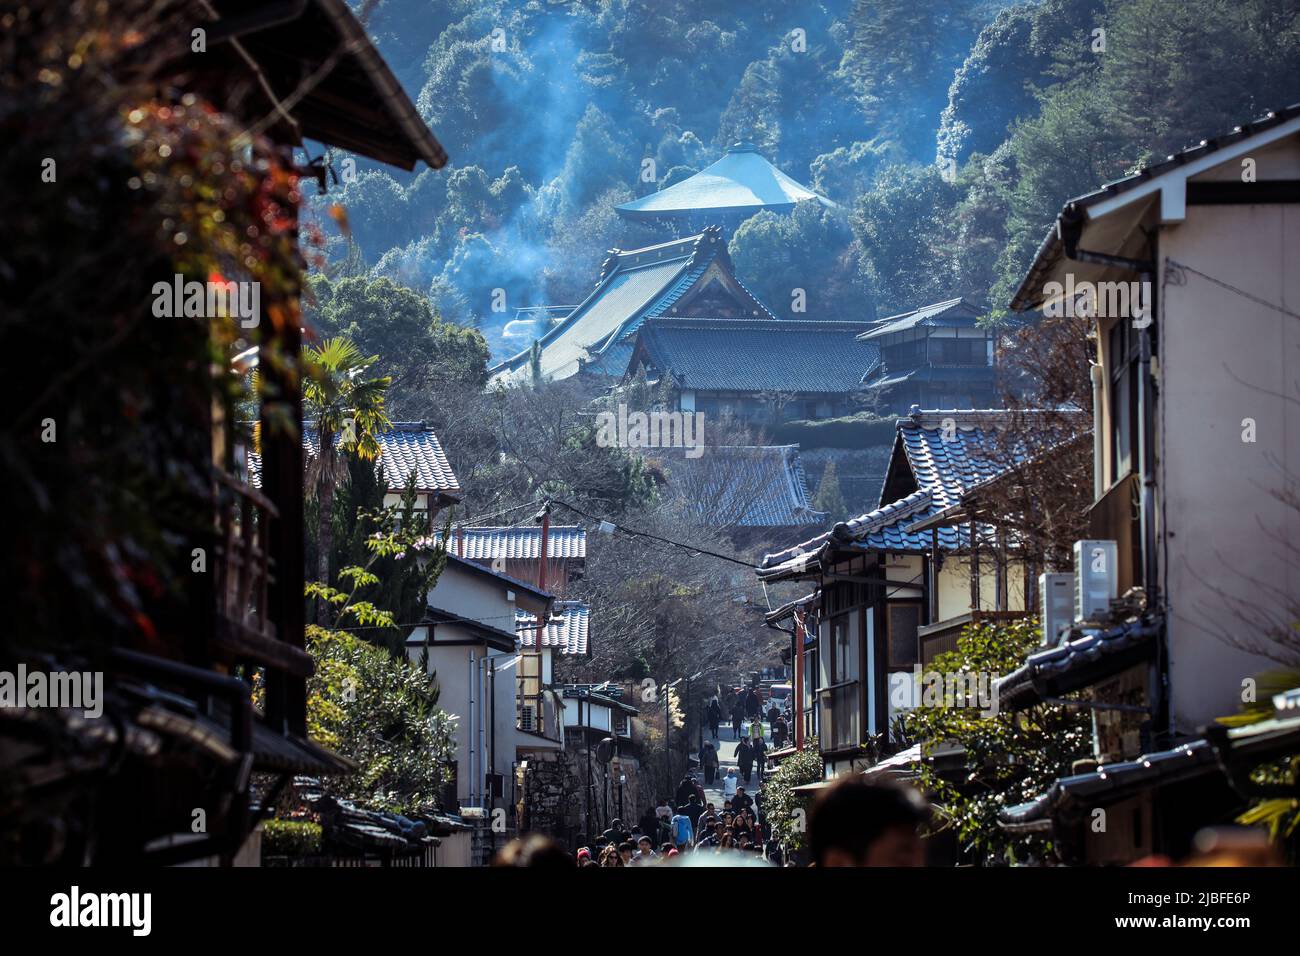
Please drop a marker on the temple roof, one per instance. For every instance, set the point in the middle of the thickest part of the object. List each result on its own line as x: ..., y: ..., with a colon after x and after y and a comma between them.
x: 741, y: 181
x: 635, y: 285
x: 756, y: 355
x: 954, y: 313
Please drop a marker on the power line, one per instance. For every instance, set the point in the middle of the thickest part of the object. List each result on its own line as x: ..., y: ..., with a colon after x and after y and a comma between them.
x: 1172, y: 263
x: 631, y: 532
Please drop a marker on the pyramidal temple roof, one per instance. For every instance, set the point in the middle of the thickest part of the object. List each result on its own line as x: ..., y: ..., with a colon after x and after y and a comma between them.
x: 741, y: 181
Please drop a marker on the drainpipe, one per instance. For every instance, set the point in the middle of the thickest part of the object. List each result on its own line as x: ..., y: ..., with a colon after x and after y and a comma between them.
x: 1098, y: 478
x: 471, y: 736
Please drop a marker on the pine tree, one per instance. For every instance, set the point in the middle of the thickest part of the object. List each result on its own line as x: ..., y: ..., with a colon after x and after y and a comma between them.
x: 829, y: 497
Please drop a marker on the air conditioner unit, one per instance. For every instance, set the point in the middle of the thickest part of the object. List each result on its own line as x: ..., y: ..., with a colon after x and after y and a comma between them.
x: 1056, y: 598
x: 1096, y: 578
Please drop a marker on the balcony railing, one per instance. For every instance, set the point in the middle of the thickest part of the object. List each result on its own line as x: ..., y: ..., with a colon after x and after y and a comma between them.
x: 244, y: 573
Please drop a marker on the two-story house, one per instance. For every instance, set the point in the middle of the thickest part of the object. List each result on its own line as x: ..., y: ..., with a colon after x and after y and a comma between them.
x: 937, y: 356
x: 879, y: 584
x: 1188, y: 268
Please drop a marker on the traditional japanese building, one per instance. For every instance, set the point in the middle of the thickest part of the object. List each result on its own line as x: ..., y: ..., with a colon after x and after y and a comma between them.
x: 761, y: 371
x: 691, y: 276
x: 728, y: 192
x: 936, y: 356
x: 744, y: 489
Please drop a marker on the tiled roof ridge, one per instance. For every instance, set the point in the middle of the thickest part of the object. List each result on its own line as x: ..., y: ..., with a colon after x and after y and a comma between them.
x: 878, y: 518
x: 942, y: 304
x: 773, y: 324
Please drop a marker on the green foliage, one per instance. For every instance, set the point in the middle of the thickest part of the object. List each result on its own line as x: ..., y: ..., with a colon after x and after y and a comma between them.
x: 829, y: 497
x: 1279, y: 815
x: 1010, y: 758
x: 776, y: 254
x: 290, y: 838
x: 415, y: 348
x: 381, y: 712
x: 787, y: 810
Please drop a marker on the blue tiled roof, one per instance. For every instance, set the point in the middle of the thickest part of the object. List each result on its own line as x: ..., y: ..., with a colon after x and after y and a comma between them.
x: 567, y: 629
x: 748, y: 355
x: 741, y: 180
x: 405, y: 447
x: 748, y: 486
x: 633, y: 286
x: 945, y: 453
x: 518, y: 544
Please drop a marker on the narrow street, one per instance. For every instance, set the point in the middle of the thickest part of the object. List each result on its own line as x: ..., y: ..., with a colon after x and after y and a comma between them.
x: 726, y: 746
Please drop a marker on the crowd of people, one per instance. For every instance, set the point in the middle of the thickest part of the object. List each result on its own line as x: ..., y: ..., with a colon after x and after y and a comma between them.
x: 855, y: 823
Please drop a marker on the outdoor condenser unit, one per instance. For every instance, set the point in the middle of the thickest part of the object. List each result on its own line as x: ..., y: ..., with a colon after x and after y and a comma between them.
x: 1056, y: 598
x: 1096, y: 578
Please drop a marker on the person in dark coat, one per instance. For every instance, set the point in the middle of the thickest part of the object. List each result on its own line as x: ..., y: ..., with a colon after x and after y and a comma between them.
x: 714, y: 714
x: 753, y: 706
x: 685, y: 790
x: 745, y: 758
x: 760, y: 756
x: 737, y: 718
x: 708, y: 762
x: 779, y: 732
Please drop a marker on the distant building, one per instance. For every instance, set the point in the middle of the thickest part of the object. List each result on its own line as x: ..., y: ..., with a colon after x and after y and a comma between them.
x: 758, y: 370
x: 728, y: 192
x: 691, y: 276
x: 405, y: 448
x: 754, y: 488
x: 936, y: 356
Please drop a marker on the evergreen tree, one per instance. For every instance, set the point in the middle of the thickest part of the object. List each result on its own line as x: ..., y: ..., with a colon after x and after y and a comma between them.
x: 829, y: 497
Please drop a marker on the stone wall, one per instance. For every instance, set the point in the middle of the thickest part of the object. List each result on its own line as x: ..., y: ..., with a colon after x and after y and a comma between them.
x: 554, y: 797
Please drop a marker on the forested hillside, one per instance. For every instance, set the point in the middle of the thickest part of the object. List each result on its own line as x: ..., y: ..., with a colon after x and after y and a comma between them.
x: 947, y: 131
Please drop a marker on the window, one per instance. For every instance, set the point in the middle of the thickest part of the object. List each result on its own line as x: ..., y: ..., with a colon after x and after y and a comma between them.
x: 1123, y: 399
x: 944, y: 351
x: 904, y: 620
x: 844, y: 652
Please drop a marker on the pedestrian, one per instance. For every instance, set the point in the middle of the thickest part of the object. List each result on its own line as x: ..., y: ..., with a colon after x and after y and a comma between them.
x: 693, y: 809
x: 625, y: 851
x: 858, y: 823
x: 616, y: 833
x: 709, y: 762
x: 773, y: 713
x: 753, y: 706
x: 714, y: 714
x: 745, y: 758
x: 649, y: 823
x: 684, y: 790
x: 760, y: 756
x: 742, y: 800
x: 729, y: 784
x: 683, y: 831
x: 779, y: 731
x: 699, y: 791
x: 737, y: 718
x: 645, y: 853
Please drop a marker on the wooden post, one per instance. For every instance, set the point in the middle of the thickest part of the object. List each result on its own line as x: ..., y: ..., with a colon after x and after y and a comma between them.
x: 797, y: 711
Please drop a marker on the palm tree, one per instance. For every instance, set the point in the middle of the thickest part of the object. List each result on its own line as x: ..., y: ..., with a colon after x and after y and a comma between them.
x: 347, y: 410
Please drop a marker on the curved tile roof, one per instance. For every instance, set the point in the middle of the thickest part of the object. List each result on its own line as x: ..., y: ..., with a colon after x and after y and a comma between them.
x: 406, y: 447
x: 567, y: 630
x: 519, y: 544
x: 741, y: 180
x: 755, y: 355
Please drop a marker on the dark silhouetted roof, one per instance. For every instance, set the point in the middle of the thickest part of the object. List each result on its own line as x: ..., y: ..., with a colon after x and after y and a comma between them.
x: 748, y: 355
